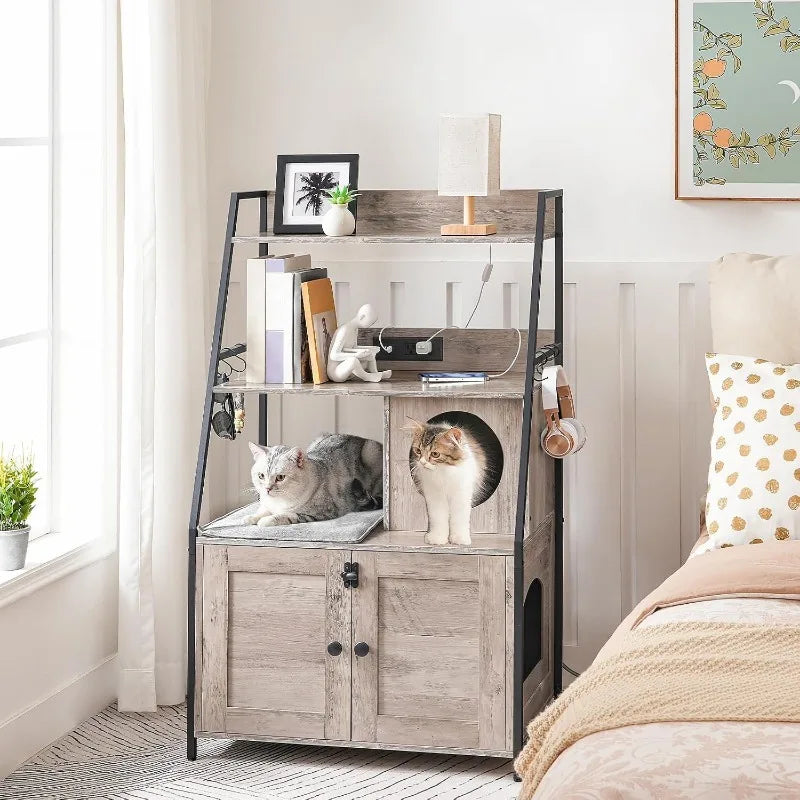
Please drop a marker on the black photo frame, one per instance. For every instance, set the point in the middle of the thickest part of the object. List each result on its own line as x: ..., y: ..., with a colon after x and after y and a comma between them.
x: 287, y: 222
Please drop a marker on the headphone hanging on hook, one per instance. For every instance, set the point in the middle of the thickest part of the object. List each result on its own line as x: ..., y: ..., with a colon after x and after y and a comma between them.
x: 563, y: 434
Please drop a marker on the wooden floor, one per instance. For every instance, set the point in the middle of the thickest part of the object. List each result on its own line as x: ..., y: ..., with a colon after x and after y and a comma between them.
x: 141, y: 756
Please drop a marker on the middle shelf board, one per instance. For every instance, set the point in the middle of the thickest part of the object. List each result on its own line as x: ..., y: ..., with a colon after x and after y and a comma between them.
x: 487, y: 544
x: 509, y: 387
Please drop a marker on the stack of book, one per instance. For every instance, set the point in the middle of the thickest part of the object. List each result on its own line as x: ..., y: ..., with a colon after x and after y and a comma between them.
x: 280, y: 347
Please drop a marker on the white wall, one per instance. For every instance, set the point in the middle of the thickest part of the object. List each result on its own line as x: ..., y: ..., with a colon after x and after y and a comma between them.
x: 585, y: 90
x: 56, y: 659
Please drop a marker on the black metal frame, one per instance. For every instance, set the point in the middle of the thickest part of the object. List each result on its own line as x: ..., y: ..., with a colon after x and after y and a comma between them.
x: 535, y: 360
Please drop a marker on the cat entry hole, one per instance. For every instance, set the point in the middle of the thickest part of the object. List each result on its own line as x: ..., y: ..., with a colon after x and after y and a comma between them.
x: 533, y: 619
x: 483, y: 445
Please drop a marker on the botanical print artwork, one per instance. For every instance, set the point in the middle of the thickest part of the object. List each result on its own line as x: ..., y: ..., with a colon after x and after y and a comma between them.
x: 740, y: 133
x: 311, y: 191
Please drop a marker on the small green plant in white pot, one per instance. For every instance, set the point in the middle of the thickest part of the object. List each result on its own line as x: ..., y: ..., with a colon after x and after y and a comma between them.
x: 338, y: 219
x: 17, y: 498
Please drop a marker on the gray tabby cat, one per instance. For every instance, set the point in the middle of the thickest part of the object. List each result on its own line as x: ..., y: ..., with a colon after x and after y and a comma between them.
x: 337, y: 473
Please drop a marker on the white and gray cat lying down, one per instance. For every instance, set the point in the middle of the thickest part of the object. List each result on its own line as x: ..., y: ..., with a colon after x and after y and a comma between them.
x: 337, y: 474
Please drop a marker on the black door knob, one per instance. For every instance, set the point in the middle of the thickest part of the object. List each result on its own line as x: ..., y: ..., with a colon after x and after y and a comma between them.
x: 335, y: 648
x: 361, y: 649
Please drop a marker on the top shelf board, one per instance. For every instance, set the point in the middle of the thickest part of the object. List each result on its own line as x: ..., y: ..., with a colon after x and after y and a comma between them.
x: 415, y: 217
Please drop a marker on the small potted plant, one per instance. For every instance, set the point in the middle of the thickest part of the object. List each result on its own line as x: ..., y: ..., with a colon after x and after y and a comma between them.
x: 338, y: 219
x: 17, y: 498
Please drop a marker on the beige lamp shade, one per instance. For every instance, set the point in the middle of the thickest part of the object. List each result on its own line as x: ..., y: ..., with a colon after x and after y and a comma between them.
x: 469, y: 166
x: 469, y: 155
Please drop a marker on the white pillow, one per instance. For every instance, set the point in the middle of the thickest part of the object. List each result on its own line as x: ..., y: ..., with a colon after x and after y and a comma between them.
x: 754, y: 476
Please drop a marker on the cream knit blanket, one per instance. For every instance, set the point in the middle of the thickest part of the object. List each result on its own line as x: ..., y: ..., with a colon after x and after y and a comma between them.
x: 677, y: 672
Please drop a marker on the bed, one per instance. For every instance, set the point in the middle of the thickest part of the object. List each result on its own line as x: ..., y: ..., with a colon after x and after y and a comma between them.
x: 697, y: 693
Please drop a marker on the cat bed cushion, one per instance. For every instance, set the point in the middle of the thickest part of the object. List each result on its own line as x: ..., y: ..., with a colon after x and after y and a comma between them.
x: 349, y: 529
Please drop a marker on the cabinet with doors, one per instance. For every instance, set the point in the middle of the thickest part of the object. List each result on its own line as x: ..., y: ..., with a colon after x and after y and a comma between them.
x: 394, y: 643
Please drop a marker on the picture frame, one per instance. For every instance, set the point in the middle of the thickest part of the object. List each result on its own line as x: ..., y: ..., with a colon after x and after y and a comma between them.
x: 300, y: 184
x: 737, y: 130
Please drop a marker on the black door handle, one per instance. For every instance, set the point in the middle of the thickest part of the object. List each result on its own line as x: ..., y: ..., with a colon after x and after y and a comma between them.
x: 335, y: 648
x: 361, y: 649
x: 350, y: 575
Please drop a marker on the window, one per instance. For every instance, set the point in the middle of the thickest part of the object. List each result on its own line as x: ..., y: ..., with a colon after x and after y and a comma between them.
x: 26, y: 202
x: 58, y: 263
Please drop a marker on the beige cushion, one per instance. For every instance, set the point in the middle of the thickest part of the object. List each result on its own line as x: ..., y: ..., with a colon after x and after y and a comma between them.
x: 755, y: 306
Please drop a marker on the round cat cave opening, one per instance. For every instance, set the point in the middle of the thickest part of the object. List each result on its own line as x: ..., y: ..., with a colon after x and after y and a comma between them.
x: 482, y: 436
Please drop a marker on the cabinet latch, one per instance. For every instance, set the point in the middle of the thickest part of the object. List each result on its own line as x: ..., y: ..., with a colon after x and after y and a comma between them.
x: 350, y: 575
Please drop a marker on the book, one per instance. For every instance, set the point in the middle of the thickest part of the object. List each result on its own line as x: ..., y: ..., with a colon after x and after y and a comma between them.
x: 275, y: 336
x: 453, y: 377
x: 320, y: 316
x: 287, y: 263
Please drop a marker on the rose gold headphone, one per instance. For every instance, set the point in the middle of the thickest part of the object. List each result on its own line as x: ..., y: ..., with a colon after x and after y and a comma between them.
x: 564, y: 434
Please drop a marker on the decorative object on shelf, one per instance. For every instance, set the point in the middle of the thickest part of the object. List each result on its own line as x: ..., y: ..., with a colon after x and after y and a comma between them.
x: 348, y: 359
x: 456, y: 461
x: 563, y: 434
x: 302, y: 187
x: 337, y: 474
x: 17, y: 499
x: 319, y: 309
x: 338, y: 219
x: 736, y: 93
x: 469, y: 166
x: 238, y: 412
x: 277, y: 341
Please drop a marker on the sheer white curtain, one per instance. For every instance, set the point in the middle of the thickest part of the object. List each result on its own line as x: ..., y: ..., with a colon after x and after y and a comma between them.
x: 164, y: 64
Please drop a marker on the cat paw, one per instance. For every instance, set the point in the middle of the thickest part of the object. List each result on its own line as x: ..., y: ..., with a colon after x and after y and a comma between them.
x: 436, y: 537
x: 253, y: 520
x: 266, y: 522
x: 460, y: 537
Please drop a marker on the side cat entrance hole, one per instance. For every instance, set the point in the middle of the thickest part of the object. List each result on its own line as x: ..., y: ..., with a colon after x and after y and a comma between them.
x: 532, y: 620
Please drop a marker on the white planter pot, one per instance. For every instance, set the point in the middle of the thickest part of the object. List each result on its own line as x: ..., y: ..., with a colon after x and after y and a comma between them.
x: 338, y: 221
x: 14, y: 548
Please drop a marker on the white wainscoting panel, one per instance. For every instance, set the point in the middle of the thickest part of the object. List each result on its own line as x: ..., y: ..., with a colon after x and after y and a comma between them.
x: 635, y: 338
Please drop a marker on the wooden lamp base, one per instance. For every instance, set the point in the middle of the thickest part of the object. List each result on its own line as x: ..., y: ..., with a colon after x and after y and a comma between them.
x: 468, y: 227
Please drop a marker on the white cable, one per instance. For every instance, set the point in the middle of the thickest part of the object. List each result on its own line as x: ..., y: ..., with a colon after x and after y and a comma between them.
x: 516, y: 356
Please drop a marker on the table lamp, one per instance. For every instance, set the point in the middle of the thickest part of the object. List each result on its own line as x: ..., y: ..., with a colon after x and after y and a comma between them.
x: 469, y: 166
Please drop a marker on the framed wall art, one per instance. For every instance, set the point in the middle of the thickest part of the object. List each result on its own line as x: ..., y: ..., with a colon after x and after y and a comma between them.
x: 737, y: 115
x: 301, y: 189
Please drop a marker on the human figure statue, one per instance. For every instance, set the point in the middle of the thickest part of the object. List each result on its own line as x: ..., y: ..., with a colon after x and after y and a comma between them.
x: 347, y: 359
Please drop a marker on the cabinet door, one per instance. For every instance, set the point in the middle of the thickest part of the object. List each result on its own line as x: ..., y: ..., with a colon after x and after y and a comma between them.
x: 269, y: 615
x: 434, y: 673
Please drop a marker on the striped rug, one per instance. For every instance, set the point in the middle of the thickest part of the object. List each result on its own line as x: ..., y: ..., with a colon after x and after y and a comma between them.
x: 142, y: 757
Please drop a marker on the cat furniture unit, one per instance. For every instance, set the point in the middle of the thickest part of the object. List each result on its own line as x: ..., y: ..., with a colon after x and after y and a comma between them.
x: 393, y: 643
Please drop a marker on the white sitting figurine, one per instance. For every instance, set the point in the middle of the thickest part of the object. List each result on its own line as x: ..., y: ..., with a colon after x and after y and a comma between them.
x: 347, y: 359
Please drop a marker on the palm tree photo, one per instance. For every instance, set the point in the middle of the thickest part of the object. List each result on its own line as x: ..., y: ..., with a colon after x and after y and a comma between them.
x: 313, y: 190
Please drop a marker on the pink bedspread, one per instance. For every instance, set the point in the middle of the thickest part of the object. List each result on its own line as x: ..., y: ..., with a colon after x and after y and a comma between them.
x: 687, y: 760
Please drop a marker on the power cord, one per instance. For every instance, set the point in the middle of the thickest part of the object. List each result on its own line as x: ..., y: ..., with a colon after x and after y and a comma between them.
x: 570, y: 670
x: 424, y: 346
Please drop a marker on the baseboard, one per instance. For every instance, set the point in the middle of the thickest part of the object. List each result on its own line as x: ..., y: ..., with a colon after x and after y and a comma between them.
x: 35, y: 727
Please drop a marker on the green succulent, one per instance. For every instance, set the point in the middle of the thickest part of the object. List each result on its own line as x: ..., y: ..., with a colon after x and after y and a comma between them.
x: 341, y: 195
x: 17, y: 491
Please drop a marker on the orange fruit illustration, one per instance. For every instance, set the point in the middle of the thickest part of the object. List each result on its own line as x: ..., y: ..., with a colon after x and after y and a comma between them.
x: 703, y: 122
x: 722, y: 137
x: 714, y: 67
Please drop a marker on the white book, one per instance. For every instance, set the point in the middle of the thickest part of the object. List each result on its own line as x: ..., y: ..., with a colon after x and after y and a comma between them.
x: 256, y: 321
x: 287, y: 263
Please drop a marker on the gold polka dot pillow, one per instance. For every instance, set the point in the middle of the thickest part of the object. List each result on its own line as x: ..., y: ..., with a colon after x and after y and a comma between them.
x: 754, y: 477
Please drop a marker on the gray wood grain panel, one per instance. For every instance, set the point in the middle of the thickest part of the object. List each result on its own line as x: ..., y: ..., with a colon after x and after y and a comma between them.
x: 509, y: 650
x: 338, y: 669
x: 541, y: 473
x: 487, y: 544
x: 278, y: 723
x: 407, y: 505
x: 472, y: 349
x: 198, y: 638
x: 365, y: 670
x: 427, y: 732
x: 417, y: 215
x: 215, y: 638
x: 492, y: 681
x: 431, y: 567
x: 260, y: 559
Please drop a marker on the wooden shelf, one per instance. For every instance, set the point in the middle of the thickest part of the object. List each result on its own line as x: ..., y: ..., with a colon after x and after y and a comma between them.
x: 402, y: 385
x: 415, y: 217
x: 483, y: 544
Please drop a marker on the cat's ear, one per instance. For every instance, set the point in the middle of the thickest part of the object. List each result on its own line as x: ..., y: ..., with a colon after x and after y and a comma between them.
x: 257, y: 450
x: 298, y: 456
x: 455, y: 435
x: 416, y: 426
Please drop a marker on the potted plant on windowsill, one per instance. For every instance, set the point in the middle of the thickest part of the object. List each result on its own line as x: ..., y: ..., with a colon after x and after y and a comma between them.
x: 17, y: 498
x: 338, y: 220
